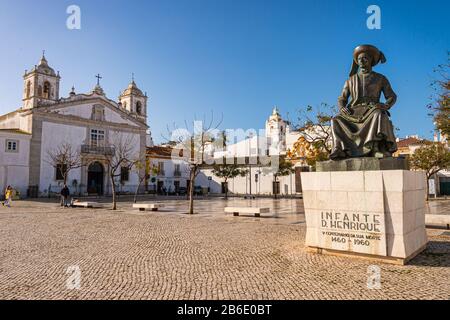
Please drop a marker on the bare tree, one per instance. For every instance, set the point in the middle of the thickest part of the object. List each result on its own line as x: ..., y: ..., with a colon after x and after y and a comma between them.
x: 119, y: 156
x: 197, y: 143
x: 314, y: 125
x: 64, y: 158
x: 314, y: 142
x: 440, y: 104
x: 140, y: 168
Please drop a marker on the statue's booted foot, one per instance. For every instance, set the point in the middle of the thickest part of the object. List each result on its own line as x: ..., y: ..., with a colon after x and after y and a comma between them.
x: 338, y: 155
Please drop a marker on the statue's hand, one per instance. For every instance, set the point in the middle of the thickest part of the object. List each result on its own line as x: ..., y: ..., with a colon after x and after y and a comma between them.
x: 346, y: 110
x: 382, y: 106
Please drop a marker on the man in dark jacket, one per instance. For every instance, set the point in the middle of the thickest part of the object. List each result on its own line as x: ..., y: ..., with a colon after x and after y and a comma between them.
x: 65, y: 193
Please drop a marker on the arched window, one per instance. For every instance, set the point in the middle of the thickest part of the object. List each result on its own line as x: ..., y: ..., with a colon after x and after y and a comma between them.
x: 138, y: 107
x: 124, y: 105
x: 46, y: 90
x: 28, y: 89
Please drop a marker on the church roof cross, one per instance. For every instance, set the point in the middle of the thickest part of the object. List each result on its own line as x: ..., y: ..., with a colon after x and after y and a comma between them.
x: 98, y: 78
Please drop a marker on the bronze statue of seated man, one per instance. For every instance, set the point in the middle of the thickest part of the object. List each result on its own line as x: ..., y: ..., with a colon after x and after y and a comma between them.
x: 363, y: 128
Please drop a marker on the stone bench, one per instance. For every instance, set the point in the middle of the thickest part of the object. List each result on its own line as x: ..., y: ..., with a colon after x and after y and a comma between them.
x: 87, y: 204
x: 438, y: 219
x: 252, y: 210
x: 150, y: 206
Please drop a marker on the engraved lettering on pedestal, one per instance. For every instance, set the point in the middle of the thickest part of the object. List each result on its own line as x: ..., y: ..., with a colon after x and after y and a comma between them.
x: 356, y: 232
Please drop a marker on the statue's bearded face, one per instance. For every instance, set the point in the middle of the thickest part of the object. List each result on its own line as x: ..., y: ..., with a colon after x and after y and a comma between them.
x: 365, y: 61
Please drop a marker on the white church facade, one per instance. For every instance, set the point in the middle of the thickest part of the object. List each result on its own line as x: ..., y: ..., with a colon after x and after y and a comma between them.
x: 86, y: 121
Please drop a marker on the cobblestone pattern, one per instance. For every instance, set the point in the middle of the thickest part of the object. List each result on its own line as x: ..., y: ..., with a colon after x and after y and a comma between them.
x: 168, y: 255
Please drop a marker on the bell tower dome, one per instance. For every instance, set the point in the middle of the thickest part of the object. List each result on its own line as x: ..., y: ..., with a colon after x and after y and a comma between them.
x: 134, y: 101
x: 41, y: 85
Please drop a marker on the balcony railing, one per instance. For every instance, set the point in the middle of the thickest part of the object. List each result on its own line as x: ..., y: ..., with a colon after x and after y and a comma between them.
x: 108, y: 151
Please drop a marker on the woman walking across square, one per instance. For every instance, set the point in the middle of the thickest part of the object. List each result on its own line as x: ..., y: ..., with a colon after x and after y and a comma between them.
x: 8, y: 196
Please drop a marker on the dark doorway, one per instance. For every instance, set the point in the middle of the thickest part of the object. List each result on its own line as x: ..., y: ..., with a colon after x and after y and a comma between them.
x: 95, y: 178
x: 444, y: 186
x: 160, y: 186
x: 177, y: 186
x: 276, y: 187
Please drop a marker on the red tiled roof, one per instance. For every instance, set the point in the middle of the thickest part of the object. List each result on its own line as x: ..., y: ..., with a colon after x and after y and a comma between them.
x: 410, y: 141
x: 163, y: 152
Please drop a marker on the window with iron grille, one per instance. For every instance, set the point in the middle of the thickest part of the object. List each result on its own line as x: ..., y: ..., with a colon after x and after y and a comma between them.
x: 12, y: 146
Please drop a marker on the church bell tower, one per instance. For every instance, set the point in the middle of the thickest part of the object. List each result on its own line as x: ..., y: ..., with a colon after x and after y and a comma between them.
x: 134, y: 101
x: 276, y: 131
x: 41, y: 85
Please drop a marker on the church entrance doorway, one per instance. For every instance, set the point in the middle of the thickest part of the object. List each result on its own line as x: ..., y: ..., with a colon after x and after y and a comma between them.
x: 95, y: 178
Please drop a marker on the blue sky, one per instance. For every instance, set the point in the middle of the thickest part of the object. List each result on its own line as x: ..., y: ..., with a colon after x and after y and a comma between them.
x: 236, y: 58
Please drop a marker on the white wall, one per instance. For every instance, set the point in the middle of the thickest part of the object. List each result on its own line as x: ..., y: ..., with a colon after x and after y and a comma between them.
x: 14, y: 166
x: 134, y: 140
x: 254, y: 146
x: 53, y: 135
x: 238, y: 185
x: 291, y: 138
x: 243, y: 185
x: 85, y: 111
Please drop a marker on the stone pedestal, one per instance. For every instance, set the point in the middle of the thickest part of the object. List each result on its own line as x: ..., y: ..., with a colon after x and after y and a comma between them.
x: 363, y: 164
x: 374, y: 214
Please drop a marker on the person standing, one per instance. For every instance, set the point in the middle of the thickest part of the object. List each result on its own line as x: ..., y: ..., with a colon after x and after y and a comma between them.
x: 65, y: 193
x: 8, y: 196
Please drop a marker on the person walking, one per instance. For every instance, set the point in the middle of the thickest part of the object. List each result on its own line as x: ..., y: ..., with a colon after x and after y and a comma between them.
x: 65, y: 193
x: 8, y: 196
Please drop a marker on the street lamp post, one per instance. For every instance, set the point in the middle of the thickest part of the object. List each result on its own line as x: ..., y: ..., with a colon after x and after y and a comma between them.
x: 250, y: 178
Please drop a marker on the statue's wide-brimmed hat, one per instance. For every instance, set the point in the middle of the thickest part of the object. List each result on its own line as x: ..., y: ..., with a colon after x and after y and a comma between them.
x: 377, y: 56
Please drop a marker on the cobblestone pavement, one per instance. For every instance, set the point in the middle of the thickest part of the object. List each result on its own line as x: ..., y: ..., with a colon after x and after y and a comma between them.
x: 169, y: 255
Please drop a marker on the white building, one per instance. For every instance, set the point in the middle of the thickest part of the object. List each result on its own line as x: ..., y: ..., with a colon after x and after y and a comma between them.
x: 14, y: 159
x: 256, y: 182
x: 90, y: 122
x: 273, y: 141
x: 168, y: 171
